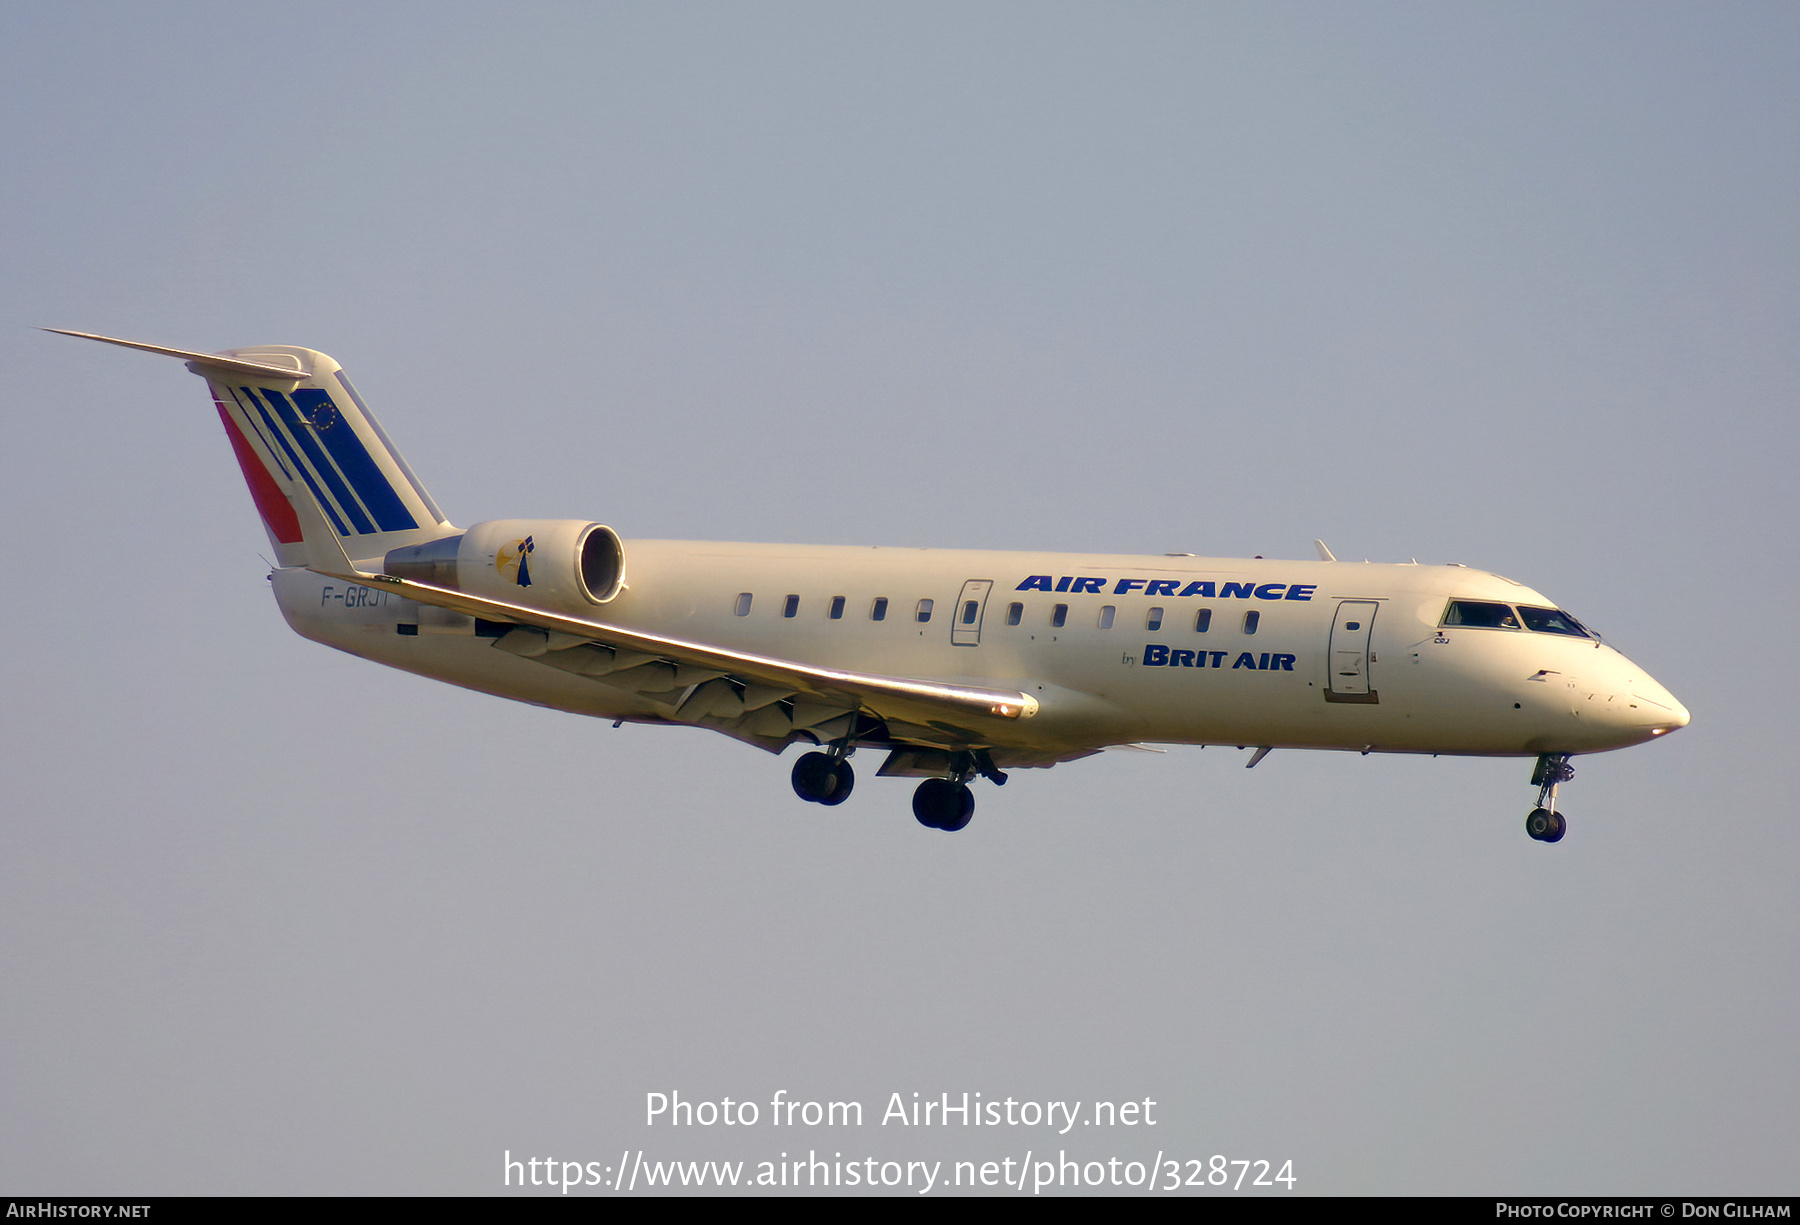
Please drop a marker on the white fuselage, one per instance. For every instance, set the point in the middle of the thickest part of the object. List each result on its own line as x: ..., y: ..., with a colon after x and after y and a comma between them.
x: 1339, y: 655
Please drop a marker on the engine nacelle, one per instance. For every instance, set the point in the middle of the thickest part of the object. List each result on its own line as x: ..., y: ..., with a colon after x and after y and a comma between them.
x: 561, y: 564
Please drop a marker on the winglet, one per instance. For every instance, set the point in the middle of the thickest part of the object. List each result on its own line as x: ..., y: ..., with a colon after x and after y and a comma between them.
x: 1324, y: 553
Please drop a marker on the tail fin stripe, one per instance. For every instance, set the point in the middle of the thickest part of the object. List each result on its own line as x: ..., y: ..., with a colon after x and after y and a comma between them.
x: 322, y: 466
x: 250, y: 413
x: 294, y: 458
x: 418, y: 486
x: 353, y: 460
x: 277, y: 512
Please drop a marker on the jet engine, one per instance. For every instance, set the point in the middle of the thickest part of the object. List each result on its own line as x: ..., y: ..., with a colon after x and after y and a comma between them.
x: 560, y: 564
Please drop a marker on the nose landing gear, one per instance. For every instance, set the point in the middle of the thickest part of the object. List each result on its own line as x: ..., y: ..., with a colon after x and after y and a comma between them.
x: 1544, y: 823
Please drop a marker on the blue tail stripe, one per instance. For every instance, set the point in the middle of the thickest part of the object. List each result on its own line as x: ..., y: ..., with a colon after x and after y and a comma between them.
x: 322, y: 467
x: 245, y: 410
x: 280, y: 437
x: 437, y: 516
x: 339, y: 436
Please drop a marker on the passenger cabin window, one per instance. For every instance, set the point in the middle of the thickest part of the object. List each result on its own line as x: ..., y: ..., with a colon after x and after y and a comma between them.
x: 1015, y: 613
x: 743, y: 604
x: 1553, y: 621
x: 1250, y: 620
x: 1203, y: 620
x: 970, y: 609
x: 1480, y: 614
x: 1059, y: 616
x: 878, y: 610
x: 924, y: 613
x: 1106, y: 617
x: 1153, y: 620
x: 791, y: 607
x: 837, y: 608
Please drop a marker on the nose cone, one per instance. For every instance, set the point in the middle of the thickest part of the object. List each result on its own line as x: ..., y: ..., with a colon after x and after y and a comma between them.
x: 1652, y: 710
x: 1657, y: 707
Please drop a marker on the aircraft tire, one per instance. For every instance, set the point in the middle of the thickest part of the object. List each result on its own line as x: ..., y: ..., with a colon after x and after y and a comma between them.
x: 843, y: 780
x: 942, y: 804
x: 926, y: 803
x: 1539, y: 823
x: 814, y: 778
x: 965, y: 810
x: 1558, y: 827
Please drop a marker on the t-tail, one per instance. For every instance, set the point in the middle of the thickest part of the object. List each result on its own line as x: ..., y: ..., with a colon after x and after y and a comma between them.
x: 323, y: 474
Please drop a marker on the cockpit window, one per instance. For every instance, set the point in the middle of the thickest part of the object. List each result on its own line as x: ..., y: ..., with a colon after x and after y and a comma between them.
x: 1552, y: 621
x: 1481, y: 614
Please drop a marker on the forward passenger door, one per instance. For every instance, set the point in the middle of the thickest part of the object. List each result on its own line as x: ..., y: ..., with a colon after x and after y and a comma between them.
x: 1349, y: 654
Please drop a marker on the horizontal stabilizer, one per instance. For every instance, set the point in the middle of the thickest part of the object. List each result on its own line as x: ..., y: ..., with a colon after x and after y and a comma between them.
x: 212, y: 361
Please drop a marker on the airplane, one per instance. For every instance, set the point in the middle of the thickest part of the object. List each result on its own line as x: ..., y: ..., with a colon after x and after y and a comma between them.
x: 959, y: 664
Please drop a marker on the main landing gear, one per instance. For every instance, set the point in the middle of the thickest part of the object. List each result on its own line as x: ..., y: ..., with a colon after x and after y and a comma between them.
x: 947, y: 803
x: 824, y: 778
x: 940, y: 803
x: 1544, y: 823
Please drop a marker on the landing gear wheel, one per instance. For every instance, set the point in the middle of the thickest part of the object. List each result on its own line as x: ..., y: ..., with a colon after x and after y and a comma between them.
x: 840, y: 791
x: 1558, y: 827
x: 965, y: 810
x: 942, y: 804
x: 1540, y: 822
x: 818, y: 777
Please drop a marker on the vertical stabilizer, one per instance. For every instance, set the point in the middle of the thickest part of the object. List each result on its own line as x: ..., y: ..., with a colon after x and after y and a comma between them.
x: 323, y: 474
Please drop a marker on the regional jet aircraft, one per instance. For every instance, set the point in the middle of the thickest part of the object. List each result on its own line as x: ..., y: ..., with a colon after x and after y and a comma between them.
x: 957, y: 664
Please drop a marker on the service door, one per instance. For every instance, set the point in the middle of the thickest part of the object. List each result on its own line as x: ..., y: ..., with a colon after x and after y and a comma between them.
x: 1349, y: 681
x: 965, y: 622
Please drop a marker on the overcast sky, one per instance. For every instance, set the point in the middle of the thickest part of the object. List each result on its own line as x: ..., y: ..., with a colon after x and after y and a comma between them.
x: 1510, y: 285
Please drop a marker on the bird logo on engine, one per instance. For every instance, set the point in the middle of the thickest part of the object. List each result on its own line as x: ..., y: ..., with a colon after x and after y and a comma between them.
x: 512, y: 561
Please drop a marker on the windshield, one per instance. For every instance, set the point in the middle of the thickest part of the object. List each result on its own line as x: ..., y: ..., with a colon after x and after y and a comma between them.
x: 1553, y: 621
x: 1493, y: 615
x: 1482, y: 614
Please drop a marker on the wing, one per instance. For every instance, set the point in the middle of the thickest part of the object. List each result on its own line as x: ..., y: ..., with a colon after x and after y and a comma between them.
x: 699, y: 681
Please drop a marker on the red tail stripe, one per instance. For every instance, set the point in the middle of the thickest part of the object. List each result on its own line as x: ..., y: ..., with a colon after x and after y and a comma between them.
x: 277, y: 512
